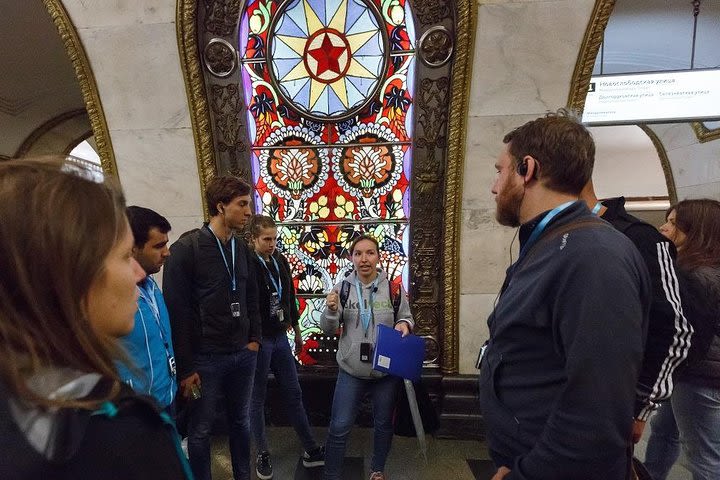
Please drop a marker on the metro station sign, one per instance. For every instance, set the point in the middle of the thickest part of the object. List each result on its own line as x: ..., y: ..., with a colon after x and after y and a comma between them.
x: 653, y: 98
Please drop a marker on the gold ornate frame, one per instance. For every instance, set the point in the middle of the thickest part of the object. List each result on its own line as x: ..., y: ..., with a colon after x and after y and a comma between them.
x: 186, y: 20
x: 437, y: 305
x: 85, y: 78
x: 588, y: 52
x: 705, y: 134
x: 457, y: 129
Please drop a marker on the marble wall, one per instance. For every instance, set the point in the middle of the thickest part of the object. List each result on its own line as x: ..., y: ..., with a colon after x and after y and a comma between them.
x: 132, y: 48
x: 525, y: 53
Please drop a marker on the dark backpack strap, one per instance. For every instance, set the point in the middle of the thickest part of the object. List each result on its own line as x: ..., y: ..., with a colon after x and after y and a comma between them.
x: 344, y: 293
x: 395, y: 297
x: 567, y: 228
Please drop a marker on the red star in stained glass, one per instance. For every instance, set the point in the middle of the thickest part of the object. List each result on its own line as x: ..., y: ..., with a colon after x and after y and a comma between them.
x: 327, y: 56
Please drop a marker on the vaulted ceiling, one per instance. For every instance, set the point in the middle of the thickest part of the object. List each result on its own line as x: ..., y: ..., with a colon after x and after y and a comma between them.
x: 38, y: 85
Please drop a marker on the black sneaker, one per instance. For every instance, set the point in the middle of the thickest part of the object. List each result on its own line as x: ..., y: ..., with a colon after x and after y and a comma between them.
x: 314, y: 458
x: 263, y: 467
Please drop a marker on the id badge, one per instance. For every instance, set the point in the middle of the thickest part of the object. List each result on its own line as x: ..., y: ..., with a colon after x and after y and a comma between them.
x: 280, y: 315
x: 172, y: 367
x: 481, y: 355
x: 275, y: 310
x: 235, y: 309
x: 366, y: 352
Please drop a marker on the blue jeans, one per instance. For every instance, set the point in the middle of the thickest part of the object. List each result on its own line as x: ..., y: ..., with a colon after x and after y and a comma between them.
x: 229, y: 376
x: 349, y: 391
x: 276, y: 355
x: 690, y: 420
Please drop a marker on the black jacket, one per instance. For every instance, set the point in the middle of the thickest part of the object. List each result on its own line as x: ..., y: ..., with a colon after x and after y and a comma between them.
x: 198, y: 293
x: 270, y: 324
x: 132, y: 443
x: 669, y: 332
x: 703, y: 290
x: 557, y: 382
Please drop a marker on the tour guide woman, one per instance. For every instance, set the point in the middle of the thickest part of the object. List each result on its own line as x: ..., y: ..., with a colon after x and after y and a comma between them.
x: 358, y: 320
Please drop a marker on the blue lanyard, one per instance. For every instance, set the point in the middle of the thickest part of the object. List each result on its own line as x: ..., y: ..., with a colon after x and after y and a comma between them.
x: 149, y: 297
x: 541, y: 226
x: 278, y: 284
x: 365, y: 312
x: 222, y: 252
x: 597, y: 208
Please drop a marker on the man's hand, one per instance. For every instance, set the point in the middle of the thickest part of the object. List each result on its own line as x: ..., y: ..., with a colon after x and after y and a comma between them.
x: 500, y: 474
x: 403, y: 327
x: 637, y: 431
x: 298, y: 342
x: 253, y: 346
x: 187, y: 383
x: 332, y: 301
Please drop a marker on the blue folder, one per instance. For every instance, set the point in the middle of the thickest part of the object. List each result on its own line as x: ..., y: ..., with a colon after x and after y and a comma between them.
x: 398, y: 355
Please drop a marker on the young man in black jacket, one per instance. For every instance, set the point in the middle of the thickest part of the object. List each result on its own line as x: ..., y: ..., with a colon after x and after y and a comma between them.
x: 211, y: 295
x: 669, y: 331
x: 558, y: 374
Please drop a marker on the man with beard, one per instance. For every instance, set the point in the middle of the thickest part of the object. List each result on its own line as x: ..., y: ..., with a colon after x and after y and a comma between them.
x: 149, y: 346
x: 212, y: 297
x: 558, y: 374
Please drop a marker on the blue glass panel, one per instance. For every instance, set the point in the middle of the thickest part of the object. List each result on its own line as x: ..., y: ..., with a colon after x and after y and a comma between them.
x: 354, y: 96
x: 295, y: 88
x: 243, y: 32
x: 322, y: 103
x: 286, y: 26
x: 362, y: 84
x: 331, y: 7
x: 354, y: 10
x: 284, y: 66
x: 365, y: 23
x: 318, y: 7
x: 303, y: 96
x: 409, y: 24
x: 373, y: 64
x: 372, y: 47
x: 281, y: 50
x: 334, y: 104
x: 296, y: 11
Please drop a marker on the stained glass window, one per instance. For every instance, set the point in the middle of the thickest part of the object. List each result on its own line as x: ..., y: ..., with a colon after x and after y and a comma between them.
x: 329, y: 90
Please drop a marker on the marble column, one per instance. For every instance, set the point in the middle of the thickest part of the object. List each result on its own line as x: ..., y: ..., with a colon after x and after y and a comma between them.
x: 525, y: 53
x: 132, y: 49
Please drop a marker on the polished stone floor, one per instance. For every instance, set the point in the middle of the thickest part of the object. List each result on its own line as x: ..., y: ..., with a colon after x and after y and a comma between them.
x: 446, y: 459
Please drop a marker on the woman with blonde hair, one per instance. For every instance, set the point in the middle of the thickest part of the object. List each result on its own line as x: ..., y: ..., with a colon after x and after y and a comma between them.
x: 67, y: 292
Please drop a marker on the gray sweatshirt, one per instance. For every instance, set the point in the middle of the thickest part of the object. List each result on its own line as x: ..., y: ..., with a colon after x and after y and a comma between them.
x: 353, y: 332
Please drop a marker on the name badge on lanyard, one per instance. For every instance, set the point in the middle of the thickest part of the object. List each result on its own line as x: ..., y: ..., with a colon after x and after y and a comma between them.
x: 276, y: 296
x: 234, y: 306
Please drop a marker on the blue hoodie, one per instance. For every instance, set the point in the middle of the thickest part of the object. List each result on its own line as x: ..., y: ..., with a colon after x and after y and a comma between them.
x: 149, y: 372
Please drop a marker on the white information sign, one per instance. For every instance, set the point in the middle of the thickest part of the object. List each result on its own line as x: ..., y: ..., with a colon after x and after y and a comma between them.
x: 653, y: 97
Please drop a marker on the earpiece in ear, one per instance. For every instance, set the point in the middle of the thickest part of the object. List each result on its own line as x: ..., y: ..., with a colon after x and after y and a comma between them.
x: 522, y: 168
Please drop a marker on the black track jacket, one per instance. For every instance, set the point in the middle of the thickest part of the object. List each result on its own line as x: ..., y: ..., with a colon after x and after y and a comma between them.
x: 669, y: 332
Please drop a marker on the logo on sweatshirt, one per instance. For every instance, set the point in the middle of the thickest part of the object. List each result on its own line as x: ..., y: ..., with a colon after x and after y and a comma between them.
x: 564, y: 240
